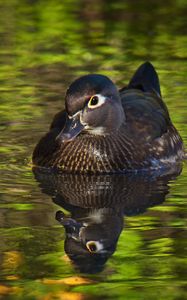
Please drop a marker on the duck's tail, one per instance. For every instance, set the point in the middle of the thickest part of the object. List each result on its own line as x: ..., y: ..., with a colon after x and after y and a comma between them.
x: 146, y: 79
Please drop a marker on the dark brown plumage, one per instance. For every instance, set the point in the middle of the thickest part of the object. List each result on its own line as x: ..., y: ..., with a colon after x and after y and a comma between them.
x: 104, y: 130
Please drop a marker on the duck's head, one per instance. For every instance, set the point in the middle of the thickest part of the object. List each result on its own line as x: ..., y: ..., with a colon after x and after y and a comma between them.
x: 93, y: 105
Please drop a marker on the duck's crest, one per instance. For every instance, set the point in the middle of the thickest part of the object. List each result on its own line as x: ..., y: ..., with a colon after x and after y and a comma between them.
x: 146, y: 79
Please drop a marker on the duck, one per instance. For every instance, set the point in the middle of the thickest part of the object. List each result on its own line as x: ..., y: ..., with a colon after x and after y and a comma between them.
x: 106, y: 130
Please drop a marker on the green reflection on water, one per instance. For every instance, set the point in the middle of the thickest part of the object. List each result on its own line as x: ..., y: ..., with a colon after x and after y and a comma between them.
x: 44, y: 46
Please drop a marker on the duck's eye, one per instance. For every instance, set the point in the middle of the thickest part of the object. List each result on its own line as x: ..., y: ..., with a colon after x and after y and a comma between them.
x: 96, y: 101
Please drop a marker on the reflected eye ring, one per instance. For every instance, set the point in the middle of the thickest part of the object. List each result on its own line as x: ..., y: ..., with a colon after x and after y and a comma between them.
x: 91, y: 246
x: 94, y: 246
x: 96, y: 101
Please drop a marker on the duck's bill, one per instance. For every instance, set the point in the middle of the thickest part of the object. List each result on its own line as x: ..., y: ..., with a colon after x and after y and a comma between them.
x: 72, y: 128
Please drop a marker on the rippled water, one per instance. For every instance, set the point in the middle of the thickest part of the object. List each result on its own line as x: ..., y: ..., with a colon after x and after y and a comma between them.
x: 44, y: 46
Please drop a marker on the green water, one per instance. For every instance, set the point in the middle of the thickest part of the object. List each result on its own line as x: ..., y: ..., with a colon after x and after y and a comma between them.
x: 44, y: 45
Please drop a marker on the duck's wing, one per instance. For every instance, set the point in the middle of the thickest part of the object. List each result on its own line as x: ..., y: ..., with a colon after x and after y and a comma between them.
x: 47, y: 145
x: 147, y: 116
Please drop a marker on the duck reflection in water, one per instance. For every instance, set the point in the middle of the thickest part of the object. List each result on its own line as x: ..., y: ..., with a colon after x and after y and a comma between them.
x: 97, y: 206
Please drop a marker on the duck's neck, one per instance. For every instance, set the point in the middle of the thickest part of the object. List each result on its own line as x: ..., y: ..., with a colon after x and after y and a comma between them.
x: 110, y: 126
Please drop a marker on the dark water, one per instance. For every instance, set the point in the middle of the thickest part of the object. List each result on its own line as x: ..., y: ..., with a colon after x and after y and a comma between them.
x: 141, y: 221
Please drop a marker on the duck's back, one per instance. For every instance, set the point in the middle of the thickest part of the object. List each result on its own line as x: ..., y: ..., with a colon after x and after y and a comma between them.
x: 147, y: 118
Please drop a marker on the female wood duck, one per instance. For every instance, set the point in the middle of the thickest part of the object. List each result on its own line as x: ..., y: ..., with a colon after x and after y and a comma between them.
x: 103, y: 130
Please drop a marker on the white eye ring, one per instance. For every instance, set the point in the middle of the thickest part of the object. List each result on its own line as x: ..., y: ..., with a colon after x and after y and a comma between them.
x: 96, y: 101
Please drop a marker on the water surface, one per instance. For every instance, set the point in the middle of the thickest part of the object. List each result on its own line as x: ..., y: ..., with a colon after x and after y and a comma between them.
x: 44, y: 46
